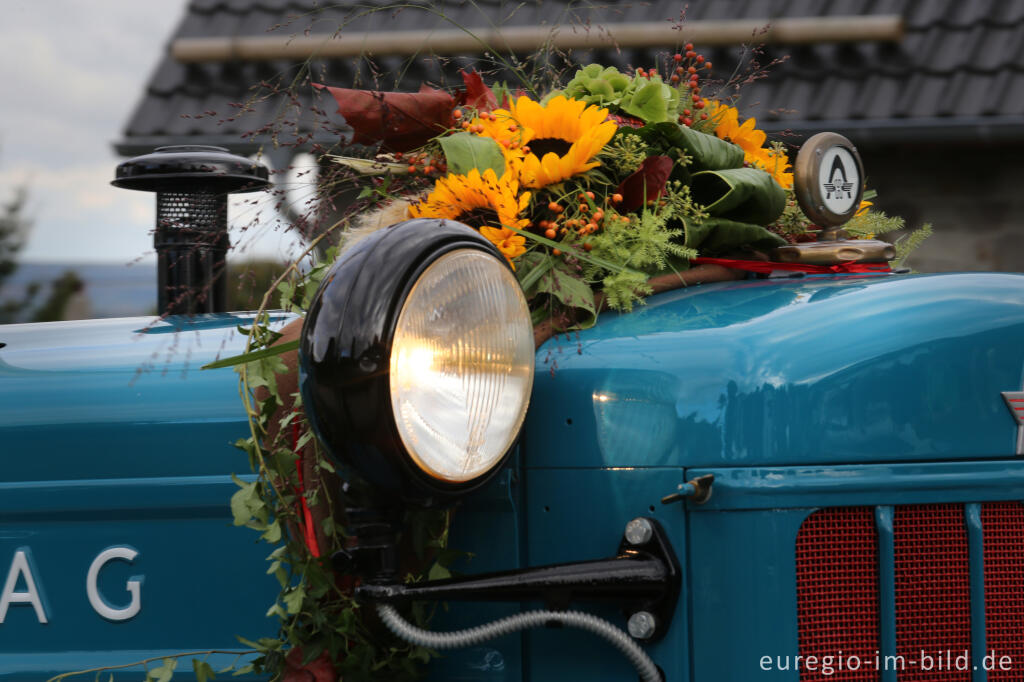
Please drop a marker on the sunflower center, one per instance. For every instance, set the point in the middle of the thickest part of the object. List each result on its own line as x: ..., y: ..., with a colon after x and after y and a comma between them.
x: 479, y: 217
x: 547, y: 145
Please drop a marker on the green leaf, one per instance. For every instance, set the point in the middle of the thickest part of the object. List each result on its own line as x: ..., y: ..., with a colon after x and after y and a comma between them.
x: 532, y: 266
x: 164, y: 673
x: 293, y: 599
x: 273, y: 532
x: 254, y: 355
x: 303, y: 440
x: 746, y: 195
x: 571, y: 292
x: 243, y: 670
x: 600, y: 87
x: 438, y: 572
x: 721, y: 234
x: 269, y: 644
x: 707, y: 151
x: 241, y: 504
x: 465, y: 151
x: 282, y: 578
x: 647, y: 103
x: 202, y: 670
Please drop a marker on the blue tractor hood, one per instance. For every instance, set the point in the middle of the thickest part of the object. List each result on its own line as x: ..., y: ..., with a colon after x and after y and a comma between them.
x: 814, y: 370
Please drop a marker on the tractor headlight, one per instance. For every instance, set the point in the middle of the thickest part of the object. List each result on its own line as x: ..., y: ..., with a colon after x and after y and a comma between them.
x: 417, y: 359
x: 461, y: 365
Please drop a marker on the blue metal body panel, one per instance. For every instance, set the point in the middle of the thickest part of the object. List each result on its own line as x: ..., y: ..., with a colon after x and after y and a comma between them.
x: 767, y: 373
x: 112, y: 437
x: 795, y: 394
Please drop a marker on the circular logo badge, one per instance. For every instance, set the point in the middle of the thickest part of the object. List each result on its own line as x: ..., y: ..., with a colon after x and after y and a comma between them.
x: 829, y: 179
x: 839, y: 180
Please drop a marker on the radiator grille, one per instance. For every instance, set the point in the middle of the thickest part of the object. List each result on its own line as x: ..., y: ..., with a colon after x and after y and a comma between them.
x: 933, y: 601
x: 837, y: 588
x: 1004, y: 588
x: 838, y: 607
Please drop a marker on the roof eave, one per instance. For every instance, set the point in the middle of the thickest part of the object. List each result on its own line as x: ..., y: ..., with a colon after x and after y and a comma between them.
x: 877, y: 132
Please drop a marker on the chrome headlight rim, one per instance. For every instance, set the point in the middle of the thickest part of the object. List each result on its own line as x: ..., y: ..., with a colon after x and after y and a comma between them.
x: 345, y: 350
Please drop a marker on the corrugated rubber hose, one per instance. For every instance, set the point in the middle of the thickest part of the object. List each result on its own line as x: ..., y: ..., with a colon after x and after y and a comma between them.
x: 531, y: 619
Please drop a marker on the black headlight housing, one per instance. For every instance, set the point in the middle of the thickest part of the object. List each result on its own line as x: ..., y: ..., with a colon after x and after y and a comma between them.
x: 345, y: 355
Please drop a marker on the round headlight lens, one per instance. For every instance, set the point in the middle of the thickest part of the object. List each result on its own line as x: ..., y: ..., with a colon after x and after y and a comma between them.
x: 461, y: 365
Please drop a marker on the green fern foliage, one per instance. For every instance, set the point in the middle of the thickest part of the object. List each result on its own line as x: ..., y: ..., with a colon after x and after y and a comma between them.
x: 909, y: 243
x: 642, y: 246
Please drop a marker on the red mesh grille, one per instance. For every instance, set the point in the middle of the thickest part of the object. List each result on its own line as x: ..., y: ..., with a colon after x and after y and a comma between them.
x: 1004, y: 588
x: 933, y: 606
x: 837, y: 589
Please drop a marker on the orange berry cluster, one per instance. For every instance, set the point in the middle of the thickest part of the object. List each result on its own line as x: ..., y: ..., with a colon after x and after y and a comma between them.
x: 688, y: 65
x: 473, y: 127
x: 591, y: 217
x: 424, y: 164
x: 507, y: 142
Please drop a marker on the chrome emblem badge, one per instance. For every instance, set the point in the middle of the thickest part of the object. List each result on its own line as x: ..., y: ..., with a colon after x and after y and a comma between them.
x: 1015, y: 401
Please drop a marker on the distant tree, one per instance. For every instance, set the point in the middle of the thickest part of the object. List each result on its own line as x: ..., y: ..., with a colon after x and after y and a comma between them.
x: 62, y: 290
x: 14, y: 228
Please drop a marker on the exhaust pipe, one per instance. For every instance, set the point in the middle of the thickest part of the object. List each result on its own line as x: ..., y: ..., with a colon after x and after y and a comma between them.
x: 192, y: 184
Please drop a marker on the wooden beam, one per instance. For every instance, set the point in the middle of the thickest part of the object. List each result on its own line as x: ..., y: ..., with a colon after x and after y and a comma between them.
x: 525, y: 39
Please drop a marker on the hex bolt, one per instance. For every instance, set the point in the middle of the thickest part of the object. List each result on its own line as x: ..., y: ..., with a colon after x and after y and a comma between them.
x: 642, y: 625
x: 639, y: 531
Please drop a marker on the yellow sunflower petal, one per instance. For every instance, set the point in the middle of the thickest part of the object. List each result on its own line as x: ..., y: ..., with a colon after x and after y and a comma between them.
x: 584, y: 127
x: 472, y: 197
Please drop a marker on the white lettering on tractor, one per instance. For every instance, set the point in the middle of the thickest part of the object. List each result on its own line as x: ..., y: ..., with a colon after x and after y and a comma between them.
x: 21, y: 567
x: 133, y: 585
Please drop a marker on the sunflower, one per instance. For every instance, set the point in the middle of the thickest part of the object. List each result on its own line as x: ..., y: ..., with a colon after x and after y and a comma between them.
x: 563, y: 137
x: 775, y: 163
x: 491, y: 204
x: 727, y: 127
x: 747, y: 137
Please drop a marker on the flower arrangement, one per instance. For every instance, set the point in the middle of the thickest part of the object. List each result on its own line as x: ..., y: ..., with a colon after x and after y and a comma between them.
x: 594, y: 190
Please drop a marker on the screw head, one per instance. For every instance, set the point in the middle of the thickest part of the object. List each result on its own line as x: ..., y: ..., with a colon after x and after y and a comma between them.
x: 642, y: 625
x: 639, y: 531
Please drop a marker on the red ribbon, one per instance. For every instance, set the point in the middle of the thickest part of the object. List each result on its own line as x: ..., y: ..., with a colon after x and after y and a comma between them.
x: 768, y: 266
x: 308, y: 531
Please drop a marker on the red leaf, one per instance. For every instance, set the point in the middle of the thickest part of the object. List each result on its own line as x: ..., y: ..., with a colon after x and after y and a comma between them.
x: 506, y: 101
x: 319, y: 669
x: 399, y: 120
x: 477, y: 94
x: 645, y: 183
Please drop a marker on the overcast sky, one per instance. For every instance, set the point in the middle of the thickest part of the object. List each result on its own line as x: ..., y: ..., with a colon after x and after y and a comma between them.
x: 71, y: 76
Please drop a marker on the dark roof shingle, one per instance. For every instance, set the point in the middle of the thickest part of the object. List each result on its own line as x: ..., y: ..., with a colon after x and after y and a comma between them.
x: 958, y: 69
